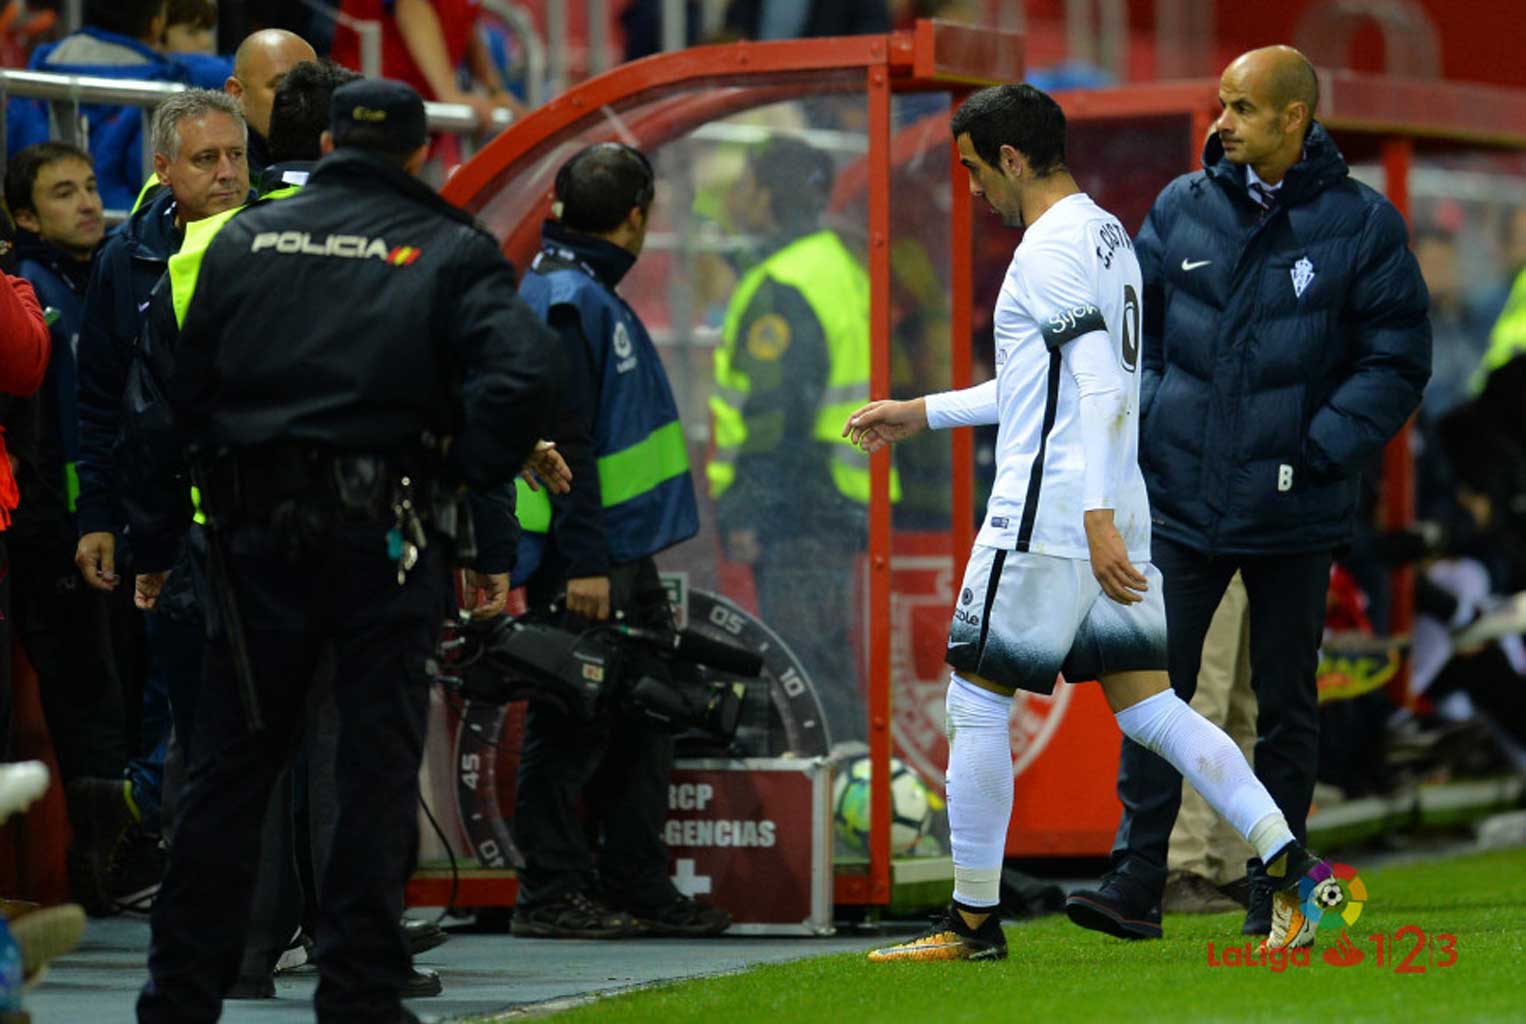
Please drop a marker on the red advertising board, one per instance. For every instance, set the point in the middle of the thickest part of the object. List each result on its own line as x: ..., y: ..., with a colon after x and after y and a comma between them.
x: 754, y: 836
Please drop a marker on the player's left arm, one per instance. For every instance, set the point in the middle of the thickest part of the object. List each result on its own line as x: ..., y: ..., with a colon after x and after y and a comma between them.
x: 1390, y: 346
x: 1071, y: 321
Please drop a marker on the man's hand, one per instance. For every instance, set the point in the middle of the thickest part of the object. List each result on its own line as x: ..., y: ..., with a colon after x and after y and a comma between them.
x: 147, y: 587
x: 486, y: 593
x: 546, y: 466
x: 588, y: 596
x: 96, y: 557
x: 1110, y: 559
x: 880, y: 423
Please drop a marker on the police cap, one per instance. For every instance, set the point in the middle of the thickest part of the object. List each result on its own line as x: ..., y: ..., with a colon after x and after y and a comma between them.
x: 378, y: 114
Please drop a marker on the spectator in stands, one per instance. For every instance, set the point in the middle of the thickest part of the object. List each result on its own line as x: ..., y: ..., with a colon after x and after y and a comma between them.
x: 258, y: 65
x: 424, y: 43
x: 66, y: 628
x: 119, y: 40
x: 190, y: 26
x: 199, y: 155
x: 792, y: 19
x: 23, y: 364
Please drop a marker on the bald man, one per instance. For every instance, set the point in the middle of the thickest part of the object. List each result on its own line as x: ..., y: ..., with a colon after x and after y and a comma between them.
x: 258, y: 65
x: 1285, y: 340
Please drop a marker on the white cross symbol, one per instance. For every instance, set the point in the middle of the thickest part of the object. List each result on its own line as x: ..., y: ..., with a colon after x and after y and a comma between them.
x: 687, y: 882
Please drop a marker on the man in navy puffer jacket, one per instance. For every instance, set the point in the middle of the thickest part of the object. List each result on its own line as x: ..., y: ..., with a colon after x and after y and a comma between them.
x: 1285, y: 342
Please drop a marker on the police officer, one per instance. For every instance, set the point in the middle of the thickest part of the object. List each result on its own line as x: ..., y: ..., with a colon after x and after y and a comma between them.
x: 587, y: 556
x: 397, y: 365
x: 791, y: 494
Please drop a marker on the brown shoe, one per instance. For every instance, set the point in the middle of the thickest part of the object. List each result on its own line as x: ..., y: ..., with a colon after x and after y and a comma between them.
x: 1189, y: 893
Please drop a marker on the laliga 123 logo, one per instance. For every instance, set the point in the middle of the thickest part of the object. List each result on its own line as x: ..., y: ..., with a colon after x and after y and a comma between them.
x: 1330, y: 887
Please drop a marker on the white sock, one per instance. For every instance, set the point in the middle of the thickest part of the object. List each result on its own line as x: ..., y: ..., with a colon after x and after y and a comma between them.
x: 1209, y: 759
x: 979, y: 785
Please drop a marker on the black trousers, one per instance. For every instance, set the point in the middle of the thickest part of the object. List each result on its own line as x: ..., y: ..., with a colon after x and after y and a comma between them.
x: 618, y: 764
x: 343, y: 590
x: 1287, y: 613
x: 65, y: 628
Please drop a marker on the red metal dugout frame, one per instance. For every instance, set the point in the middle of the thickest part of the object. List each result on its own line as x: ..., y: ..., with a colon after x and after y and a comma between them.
x: 934, y: 57
x: 1370, y: 115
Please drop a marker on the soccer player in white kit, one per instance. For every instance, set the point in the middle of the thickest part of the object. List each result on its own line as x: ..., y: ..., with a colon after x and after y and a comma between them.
x: 1060, y: 579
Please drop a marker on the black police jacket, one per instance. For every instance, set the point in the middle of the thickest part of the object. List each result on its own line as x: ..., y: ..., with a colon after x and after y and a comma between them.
x: 359, y: 315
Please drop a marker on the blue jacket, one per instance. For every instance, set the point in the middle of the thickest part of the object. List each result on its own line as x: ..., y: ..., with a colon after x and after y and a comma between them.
x: 1279, y: 354
x: 116, y: 133
x: 632, y: 494
x: 129, y: 265
x: 60, y: 285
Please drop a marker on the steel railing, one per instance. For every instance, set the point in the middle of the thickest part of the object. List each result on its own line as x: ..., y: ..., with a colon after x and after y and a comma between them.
x: 537, y: 63
x: 65, y: 94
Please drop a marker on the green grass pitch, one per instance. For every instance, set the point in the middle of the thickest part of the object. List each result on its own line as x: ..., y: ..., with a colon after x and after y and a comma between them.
x: 1057, y: 972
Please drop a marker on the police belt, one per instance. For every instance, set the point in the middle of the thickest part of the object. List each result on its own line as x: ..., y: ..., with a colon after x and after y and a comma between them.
x: 258, y: 486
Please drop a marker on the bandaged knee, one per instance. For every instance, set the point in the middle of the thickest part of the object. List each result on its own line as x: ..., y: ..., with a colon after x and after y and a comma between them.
x: 979, y: 786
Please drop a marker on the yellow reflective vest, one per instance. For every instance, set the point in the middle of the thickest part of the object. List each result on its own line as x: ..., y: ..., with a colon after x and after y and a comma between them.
x: 1508, y: 338
x: 836, y: 288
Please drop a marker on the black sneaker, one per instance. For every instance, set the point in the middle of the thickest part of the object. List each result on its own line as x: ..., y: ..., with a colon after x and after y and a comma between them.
x: 137, y: 870
x: 1121, y: 906
x: 297, y: 957
x: 422, y: 984
x: 423, y: 936
x: 949, y: 938
x: 683, y: 917
x: 1303, y: 887
x: 1258, y: 910
x: 99, y: 813
x: 575, y: 916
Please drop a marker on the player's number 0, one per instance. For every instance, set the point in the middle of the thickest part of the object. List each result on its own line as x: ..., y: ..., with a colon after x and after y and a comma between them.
x: 1130, y: 328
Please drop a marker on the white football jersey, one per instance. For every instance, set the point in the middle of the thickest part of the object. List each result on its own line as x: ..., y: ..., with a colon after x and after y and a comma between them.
x: 1073, y: 273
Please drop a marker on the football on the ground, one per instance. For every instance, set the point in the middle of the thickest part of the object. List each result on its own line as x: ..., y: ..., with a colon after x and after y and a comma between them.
x: 911, y: 806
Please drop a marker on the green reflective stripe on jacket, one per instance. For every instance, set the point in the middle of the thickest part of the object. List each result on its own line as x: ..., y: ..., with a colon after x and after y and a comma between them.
x: 644, y: 466
x: 71, y: 485
x: 623, y: 475
x: 197, y: 515
x: 836, y: 287
x: 1508, y: 338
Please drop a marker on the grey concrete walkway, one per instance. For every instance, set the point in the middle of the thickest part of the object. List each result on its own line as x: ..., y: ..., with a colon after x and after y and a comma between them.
x: 483, y: 974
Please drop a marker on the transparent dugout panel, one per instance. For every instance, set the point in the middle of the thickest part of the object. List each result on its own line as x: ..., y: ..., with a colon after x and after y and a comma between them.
x: 747, y: 174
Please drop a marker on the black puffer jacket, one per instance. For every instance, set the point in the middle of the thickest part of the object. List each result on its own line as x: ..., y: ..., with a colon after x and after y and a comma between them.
x: 1280, y: 354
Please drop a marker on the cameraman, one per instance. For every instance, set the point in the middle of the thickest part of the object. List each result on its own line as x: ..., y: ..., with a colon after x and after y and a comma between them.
x: 587, y: 557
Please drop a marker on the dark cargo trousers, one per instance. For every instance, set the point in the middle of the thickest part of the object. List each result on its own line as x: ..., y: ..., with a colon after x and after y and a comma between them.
x: 1287, y: 613
x: 617, y: 764
x: 343, y: 591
